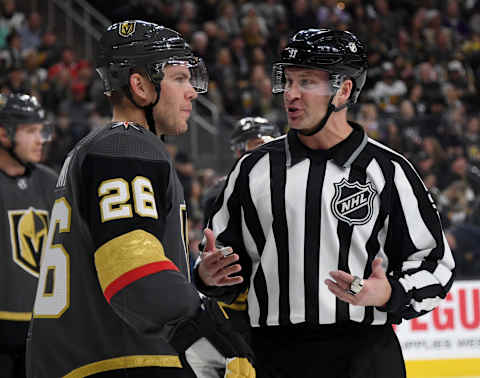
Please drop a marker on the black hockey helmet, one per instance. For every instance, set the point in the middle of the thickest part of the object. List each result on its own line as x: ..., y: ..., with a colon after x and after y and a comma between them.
x: 250, y: 128
x: 17, y: 109
x: 129, y: 45
x: 339, y: 53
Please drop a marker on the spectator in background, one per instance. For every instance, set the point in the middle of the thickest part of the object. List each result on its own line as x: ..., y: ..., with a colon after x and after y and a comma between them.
x: 11, y: 55
x: 254, y: 28
x: 240, y: 59
x: 37, y: 76
x: 17, y: 80
x: 435, y: 122
x: 31, y: 32
x: 389, y: 19
x: 407, y: 122
x: 228, y: 19
x: 78, y: 110
x: 472, y: 139
x: 301, y: 15
x: 368, y: 118
x: 10, y: 19
x: 49, y: 50
x: 224, y: 75
x: 464, y: 240
x: 415, y: 95
x: 456, y: 76
x: 453, y: 21
x: 440, y: 50
x: 200, y: 46
x: 274, y: 13
x: 67, y: 64
x: 388, y: 91
x: 330, y: 15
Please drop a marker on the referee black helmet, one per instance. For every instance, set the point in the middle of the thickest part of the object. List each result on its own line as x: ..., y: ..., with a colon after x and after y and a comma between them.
x: 340, y: 53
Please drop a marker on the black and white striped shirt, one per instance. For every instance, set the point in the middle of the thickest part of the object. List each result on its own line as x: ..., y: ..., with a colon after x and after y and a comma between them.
x: 295, y: 214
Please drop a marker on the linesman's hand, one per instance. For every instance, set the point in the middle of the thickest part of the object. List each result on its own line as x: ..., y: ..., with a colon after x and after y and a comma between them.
x: 376, y: 290
x: 217, y: 265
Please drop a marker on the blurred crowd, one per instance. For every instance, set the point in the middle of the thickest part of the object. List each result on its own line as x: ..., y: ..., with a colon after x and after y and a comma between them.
x: 421, y: 96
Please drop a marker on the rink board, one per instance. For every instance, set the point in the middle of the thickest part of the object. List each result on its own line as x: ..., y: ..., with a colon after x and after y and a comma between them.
x: 446, y: 341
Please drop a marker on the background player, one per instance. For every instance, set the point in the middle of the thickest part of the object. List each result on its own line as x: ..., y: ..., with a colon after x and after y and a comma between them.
x: 26, y: 196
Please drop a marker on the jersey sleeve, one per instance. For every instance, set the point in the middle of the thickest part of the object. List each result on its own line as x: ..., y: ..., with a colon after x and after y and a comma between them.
x: 125, y: 203
x: 226, y: 223
x: 423, y: 263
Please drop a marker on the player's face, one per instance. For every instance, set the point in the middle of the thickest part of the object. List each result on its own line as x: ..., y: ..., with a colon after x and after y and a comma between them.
x: 305, y: 97
x: 29, y: 142
x: 175, y: 104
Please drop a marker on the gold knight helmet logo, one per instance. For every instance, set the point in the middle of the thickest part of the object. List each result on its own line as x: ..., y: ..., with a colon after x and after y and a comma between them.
x: 28, y: 234
x: 126, y: 28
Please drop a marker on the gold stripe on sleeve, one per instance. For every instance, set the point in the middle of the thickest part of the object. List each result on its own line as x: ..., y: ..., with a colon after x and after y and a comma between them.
x: 16, y: 316
x: 125, y: 363
x: 125, y: 253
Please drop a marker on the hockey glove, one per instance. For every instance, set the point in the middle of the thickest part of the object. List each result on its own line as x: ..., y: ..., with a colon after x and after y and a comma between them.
x: 211, y: 346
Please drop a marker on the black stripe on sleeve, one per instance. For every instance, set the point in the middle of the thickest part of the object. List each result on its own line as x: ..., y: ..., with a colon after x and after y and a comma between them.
x: 255, y: 228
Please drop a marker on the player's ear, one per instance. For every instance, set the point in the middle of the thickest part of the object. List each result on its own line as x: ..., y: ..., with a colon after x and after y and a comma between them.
x: 4, y: 139
x: 141, y: 88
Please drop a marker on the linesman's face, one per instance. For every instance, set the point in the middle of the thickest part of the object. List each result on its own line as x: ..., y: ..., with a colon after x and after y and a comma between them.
x: 305, y: 97
x: 29, y: 142
x: 175, y: 104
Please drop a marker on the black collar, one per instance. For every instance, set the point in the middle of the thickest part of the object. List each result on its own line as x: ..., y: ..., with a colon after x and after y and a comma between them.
x: 343, y: 153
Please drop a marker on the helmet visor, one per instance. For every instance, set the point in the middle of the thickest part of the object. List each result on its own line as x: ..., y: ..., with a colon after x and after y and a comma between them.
x: 196, y: 66
x: 287, y: 77
x: 47, y: 132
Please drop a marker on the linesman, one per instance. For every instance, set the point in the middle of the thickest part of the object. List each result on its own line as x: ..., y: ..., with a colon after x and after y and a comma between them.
x: 334, y: 234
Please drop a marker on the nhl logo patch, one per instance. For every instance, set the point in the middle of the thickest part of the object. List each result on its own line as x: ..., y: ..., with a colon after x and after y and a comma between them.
x: 127, y: 28
x: 353, y: 202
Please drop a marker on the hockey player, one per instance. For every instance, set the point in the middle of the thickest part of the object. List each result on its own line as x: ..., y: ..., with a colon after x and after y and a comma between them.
x: 26, y: 196
x: 114, y: 295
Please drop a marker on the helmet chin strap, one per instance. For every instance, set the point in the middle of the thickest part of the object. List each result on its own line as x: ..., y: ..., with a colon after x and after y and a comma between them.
x: 148, y: 108
x: 330, y: 109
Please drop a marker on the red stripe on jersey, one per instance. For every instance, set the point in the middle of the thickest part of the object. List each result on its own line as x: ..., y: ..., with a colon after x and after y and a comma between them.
x: 136, y: 274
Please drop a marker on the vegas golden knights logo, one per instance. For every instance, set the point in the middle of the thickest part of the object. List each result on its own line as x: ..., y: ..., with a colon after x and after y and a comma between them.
x: 28, y: 235
x: 126, y: 28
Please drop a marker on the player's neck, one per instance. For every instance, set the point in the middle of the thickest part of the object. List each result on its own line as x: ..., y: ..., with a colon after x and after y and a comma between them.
x: 138, y: 117
x: 9, y: 165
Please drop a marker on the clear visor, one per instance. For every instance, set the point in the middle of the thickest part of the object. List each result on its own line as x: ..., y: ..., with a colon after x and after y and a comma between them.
x: 196, y: 66
x: 286, y: 78
x: 47, y: 132
x: 43, y: 129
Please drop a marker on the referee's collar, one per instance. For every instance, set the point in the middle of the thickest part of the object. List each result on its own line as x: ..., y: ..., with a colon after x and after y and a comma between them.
x: 344, y: 153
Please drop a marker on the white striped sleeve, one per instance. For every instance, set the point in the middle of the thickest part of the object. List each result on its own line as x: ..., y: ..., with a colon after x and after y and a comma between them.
x: 426, y: 272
